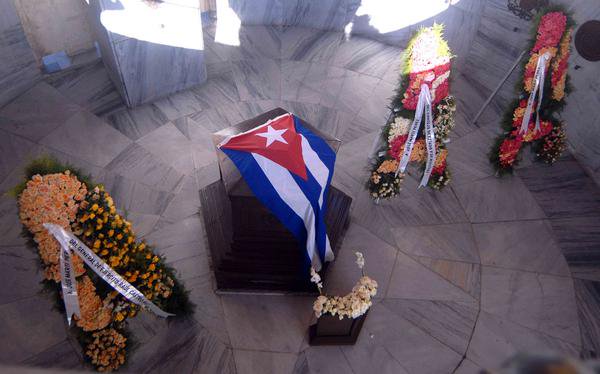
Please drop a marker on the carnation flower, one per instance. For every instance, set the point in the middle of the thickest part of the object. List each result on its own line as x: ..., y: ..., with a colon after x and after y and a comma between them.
x: 107, y: 350
x: 95, y: 314
x: 509, y: 149
x: 551, y: 28
x: 399, y: 127
x: 52, y: 198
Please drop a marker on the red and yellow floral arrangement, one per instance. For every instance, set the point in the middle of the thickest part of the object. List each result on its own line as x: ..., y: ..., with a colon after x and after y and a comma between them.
x: 553, y: 36
x: 427, y: 60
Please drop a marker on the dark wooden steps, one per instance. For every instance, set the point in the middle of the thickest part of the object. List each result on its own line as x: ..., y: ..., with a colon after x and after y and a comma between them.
x: 246, y: 257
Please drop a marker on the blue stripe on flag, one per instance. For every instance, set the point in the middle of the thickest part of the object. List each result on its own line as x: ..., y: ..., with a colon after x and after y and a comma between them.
x: 327, y: 155
x: 264, y: 191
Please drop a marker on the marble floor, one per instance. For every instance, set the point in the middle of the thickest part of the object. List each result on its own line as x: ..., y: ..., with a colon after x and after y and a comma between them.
x: 468, y: 276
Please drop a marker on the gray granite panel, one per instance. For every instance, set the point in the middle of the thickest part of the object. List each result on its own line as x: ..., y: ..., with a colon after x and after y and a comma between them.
x: 525, y: 245
x: 140, y: 165
x: 450, y: 242
x: 137, y: 122
x: 18, y: 68
x: 563, y: 189
x: 496, y: 339
x: 89, y: 86
x: 183, y: 346
x: 269, y: 323
x: 579, y: 240
x: 450, y: 322
x: 308, y: 45
x: 21, y: 273
x: 497, y: 199
x: 545, y: 303
x: 37, y: 112
x: 411, y: 346
x: 256, y: 362
x: 101, y: 145
x: 142, y: 67
x: 35, y: 315
x: 257, y: 79
x: 60, y: 356
x: 587, y: 294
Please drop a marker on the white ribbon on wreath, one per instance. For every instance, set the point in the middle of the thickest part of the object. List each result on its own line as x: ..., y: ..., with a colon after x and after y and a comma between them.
x: 70, y: 242
x: 423, y: 106
x: 538, y: 87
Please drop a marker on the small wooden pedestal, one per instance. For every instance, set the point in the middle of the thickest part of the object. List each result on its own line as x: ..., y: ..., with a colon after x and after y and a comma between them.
x: 331, y: 330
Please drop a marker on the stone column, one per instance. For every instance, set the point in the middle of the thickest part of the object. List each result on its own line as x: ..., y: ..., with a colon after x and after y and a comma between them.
x: 150, y: 48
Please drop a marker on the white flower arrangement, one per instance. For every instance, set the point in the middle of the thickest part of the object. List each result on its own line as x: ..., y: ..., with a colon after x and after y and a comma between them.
x: 352, y: 305
x: 444, y: 121
x: 399, y: 127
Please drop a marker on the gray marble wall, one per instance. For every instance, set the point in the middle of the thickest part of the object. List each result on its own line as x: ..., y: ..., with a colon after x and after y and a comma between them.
x: 376, y: 19
x: 582, y: 113
x: 18, y: 69
x: 149, y: 51
x: 318, y: 14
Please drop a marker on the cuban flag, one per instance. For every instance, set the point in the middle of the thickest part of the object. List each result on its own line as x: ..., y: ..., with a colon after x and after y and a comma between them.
x: 289, y: 169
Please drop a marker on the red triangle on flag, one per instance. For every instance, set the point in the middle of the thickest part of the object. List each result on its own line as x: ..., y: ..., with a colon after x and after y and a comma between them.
x: 276, y: 140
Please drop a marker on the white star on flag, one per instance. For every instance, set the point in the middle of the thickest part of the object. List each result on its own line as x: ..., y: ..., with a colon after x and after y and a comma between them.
x: 273, y: 135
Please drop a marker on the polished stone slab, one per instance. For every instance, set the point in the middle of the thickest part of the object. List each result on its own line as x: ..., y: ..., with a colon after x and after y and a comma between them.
x: 102, y: 142
x: 413, y: 280
x: 90, y: 87
x: 525, y: 245
x: 137, y: 122
x: 14, y: 149
x: 307, y: 45
x: 496, y: 339
x: 140, y: 165
x: 21, y: 273
x: 169, y: 145
x: 464, y: 275
x: 468, y: 157
x: 62, y: 356
x: 491, y: 199
x: 322, y: 359
x: 579, y: 240
x: 451, y: 323
x: 256, y: 362
x: 563, y: 189
x: 587, y: 294
x: 267, y: 323
x: 257, y: 79
x: 18, y: 67
x: 411, y: 347
x: 544, y: 303
x: 183, y: 346
x: 10, y: 226
x: 34, y: 314
x: 37, y: 112
x: 450, y: 242
x: 209, y: 310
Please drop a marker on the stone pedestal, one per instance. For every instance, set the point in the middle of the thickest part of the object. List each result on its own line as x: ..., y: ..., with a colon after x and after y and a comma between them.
x: 250, y: 249
x: 150, y: 49
x: 331, y: 330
